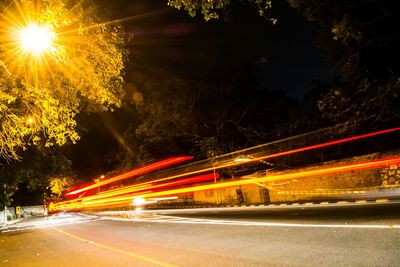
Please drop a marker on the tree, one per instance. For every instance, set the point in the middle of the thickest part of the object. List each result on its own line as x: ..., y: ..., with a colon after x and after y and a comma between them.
x: 360, y: 39
x: 33, y: 173
x: 205, y: 117
x: 211, y: 9
x: 58, y: 186
x: 81, y: 70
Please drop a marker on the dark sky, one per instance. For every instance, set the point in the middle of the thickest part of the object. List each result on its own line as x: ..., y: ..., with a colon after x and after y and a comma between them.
x: 167, y: 42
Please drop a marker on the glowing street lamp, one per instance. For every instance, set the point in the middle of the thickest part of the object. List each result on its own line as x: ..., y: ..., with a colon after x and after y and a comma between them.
x: 30, y: 120
x: 36, y: 39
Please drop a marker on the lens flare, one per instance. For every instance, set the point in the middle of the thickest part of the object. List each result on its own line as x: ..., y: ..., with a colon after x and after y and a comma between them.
x: 36, y: 39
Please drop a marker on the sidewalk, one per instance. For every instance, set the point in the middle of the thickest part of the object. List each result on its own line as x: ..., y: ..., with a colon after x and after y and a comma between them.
x: 11, y: 222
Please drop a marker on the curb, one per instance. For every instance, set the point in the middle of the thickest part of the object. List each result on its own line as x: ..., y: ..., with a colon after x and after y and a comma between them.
x: 296, y: 204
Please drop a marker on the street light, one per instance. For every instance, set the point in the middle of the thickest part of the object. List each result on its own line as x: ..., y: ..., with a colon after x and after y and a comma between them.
x: 30, y: 120
x: 36, y: 39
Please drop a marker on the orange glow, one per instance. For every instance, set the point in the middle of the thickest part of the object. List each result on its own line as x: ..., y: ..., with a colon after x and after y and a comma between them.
x: 140, y: 188
x: 105, y: 197
x: 371, y: 164
x: 135, y: 172
x: 123, y: 200
x: 279, y: 154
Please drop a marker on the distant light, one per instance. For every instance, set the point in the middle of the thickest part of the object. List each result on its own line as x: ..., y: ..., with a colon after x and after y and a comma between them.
x: 139, y: 201
x: 242, y: 159
x: 36, y: 39
x: 30, y: 120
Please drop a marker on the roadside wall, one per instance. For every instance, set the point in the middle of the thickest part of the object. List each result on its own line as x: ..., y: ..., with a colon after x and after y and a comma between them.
x: 33, y: 210
x: 390, y: 175
x: 10, y: 212
x: 338, y: 185
x: 25, y: 211
x: 250, y: 194
x: 334, y: 186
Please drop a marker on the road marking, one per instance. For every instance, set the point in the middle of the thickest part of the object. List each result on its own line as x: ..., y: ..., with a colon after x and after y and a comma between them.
x: 50, y: 224
x: 183, y: 220
x: 117, y: 250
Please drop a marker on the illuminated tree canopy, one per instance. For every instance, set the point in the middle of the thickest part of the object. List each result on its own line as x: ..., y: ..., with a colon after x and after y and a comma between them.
x: 211, y: 9
x: 58, y: 186
x: 56, y: 59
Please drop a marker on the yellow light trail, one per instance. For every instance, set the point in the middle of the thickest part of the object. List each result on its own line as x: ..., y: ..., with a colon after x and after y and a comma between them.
x: 279, y: 154
x: 126, y: 200
x: 135, y: 172
x: 140, y: 187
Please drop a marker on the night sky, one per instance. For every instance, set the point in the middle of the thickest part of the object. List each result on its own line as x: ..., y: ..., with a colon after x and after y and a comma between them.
x: 169, y: 43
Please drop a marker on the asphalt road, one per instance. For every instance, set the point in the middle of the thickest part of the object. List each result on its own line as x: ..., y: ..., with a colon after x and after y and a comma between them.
x: 365, y: 236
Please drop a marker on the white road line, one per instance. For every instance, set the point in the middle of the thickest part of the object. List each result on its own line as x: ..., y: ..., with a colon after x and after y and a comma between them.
x: 24, y: 228
x: 183, y: 220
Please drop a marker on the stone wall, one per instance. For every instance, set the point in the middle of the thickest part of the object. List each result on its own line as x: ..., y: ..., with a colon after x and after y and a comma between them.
x: 390, y: 175
x: 249, y: 194
x: 337, y: 186
x: 323, y: 187
x: 334, y: 186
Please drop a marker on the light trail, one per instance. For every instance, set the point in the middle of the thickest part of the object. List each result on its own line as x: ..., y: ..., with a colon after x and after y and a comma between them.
x: 371, y: 164
x: 105, y: 197
x: 140, y: 188
x: 126, y: 200
x: 135, y: 172
x: 279, y: 154
x: 121, y: 196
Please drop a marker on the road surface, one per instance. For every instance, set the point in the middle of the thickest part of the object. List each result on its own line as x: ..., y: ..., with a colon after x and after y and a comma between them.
x: 368, y: 236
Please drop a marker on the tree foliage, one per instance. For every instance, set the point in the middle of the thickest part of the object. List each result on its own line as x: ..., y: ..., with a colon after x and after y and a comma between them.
x: 212, y: 9
x: 361, y: 40
x: 40, y: 95
x: 358, y: 38
x: 58, y: 186
x: 205, y: 117
x: 33, y: 173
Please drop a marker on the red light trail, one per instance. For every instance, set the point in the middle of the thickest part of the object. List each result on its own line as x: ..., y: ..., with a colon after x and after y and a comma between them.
x: 159, y: 188
x: 134, y: 172
x: 279, y: 154
x: 107, y: 201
